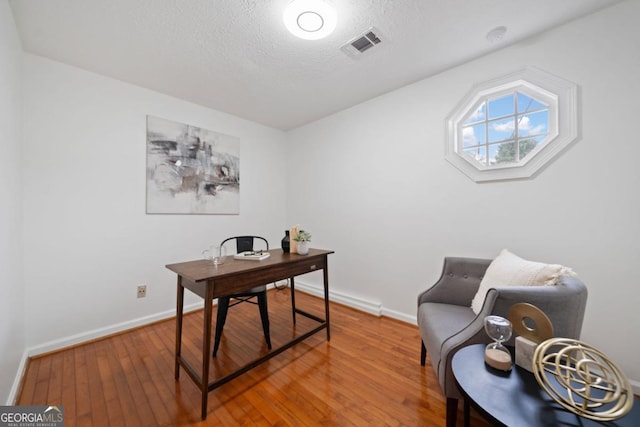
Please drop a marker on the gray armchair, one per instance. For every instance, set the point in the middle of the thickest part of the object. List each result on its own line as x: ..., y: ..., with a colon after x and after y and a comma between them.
x: 447, y: 322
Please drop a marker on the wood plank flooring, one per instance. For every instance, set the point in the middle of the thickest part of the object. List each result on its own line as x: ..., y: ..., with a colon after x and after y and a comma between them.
x: 369, y: 374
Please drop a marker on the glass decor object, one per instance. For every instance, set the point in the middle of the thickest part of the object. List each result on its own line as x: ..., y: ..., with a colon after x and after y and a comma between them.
x: 216, y: 254
x: 499, y: 330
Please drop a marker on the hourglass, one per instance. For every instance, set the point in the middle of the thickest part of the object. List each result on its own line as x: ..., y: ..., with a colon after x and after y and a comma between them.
x: 496, y: 355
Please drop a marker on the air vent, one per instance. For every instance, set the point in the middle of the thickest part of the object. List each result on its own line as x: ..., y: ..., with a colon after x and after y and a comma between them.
x: 361, y: 44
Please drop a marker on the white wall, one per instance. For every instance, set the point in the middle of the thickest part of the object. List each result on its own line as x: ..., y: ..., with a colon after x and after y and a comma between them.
x: 88, y: 242
x: 12, y: 329
x: 375, y: 186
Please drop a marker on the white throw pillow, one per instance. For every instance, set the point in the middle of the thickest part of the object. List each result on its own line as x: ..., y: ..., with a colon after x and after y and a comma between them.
x: 511, y: 270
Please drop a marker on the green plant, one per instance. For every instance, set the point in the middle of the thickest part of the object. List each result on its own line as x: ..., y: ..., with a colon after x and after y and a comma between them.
x: 302, y: 236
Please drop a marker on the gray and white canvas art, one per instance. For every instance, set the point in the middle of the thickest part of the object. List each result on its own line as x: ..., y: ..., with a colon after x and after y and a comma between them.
x: 191, y: 170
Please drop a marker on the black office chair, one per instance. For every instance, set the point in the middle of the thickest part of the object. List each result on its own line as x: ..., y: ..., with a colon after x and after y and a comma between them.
x: 243, y: 243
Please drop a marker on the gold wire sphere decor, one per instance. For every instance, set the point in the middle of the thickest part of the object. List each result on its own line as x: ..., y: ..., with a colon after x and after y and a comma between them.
x: 582, y: 379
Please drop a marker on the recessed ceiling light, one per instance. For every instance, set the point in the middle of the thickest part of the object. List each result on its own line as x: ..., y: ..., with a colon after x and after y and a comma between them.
x: 310, y: 19
x: 496, y: 34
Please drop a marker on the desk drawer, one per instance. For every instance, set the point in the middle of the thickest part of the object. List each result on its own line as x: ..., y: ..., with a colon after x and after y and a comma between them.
x: 265, y: 276
x: 306, y: 266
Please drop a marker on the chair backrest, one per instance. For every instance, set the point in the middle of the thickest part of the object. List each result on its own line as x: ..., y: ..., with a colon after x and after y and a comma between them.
x: 245, y: 243
x: 564, y: 304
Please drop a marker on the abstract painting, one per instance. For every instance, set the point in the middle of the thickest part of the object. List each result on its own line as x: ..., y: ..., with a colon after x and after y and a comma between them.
x: 191, y: 170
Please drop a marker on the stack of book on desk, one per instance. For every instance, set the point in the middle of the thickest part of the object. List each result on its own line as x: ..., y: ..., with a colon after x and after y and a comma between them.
x: 252, y: 255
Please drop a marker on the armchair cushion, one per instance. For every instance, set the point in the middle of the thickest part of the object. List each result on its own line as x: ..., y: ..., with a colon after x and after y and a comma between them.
x: 508, y: 269
x: 445, y: 321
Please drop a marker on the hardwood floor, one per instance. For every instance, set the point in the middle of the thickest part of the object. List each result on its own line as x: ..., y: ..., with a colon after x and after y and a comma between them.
x: 369, y: 374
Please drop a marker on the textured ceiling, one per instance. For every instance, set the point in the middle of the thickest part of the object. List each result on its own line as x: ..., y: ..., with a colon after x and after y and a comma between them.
x: 236, y: 55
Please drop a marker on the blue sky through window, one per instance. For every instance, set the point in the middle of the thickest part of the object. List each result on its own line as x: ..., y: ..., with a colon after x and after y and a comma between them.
x: 500, y: 122
x: 500, y: 107
x: 526, y: 103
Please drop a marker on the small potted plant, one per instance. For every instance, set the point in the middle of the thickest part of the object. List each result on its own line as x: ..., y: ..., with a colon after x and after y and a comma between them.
x: 302, y: 239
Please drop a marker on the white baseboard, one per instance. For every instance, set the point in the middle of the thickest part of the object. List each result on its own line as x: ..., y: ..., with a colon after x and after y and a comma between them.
x: 103, y: 332
x: 357, y: 303
x: 84, y: 337
x: 371, y: 307
x: 368, y: 306
x: 404, y: 317
x: 72, y: 340
x: 377, y: 309
x: 22, y: 368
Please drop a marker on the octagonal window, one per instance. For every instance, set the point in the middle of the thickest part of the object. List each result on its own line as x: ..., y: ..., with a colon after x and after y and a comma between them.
x: 511, y: 127
x: 504, y: 130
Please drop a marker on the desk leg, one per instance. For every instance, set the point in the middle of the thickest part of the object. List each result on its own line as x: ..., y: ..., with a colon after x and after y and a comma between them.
x: 326, y: 300
x: 467, y: 415
x: 293, y: 299
x: 206, y: 348
x: 452, y: 411
x: 179, y: 312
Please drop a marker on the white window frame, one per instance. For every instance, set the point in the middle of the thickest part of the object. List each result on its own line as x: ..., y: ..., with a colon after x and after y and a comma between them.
x: 559, y: 94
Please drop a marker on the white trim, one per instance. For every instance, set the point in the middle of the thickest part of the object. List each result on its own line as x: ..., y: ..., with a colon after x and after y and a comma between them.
x: 357, y: 303
x: 367, y: 306
x: 354, y: 302
x: 108, y: 330
x: 563, y: 113
x: 371, y: 307
x: 398, y: 315
x: 22, y: 368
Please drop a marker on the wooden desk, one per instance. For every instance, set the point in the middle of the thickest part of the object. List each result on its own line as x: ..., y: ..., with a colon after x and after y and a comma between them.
x: 515, y: 398
x: 208, y: 281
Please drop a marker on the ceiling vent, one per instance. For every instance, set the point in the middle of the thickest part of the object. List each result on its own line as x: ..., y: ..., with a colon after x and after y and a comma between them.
x: 362, y: 43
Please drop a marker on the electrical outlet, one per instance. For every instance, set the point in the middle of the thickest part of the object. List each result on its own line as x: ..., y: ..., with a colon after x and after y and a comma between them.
x: 142, y: 291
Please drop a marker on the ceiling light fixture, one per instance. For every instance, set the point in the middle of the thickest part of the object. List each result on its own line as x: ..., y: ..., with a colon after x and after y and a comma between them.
x: 497, y: 34
x: 310, y: 19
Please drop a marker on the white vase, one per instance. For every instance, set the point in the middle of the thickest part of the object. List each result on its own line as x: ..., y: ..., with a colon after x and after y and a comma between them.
x: 302, y: 248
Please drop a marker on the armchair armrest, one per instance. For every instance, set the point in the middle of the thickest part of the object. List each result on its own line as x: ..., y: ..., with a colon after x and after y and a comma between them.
x: 458, y: 283
x: 563, y: 303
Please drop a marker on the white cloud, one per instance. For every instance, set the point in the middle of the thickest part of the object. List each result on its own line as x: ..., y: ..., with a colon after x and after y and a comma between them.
x: 537, y: 130
x: 524, y: 126
x: 504, y: 126
x: 468, y: 136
